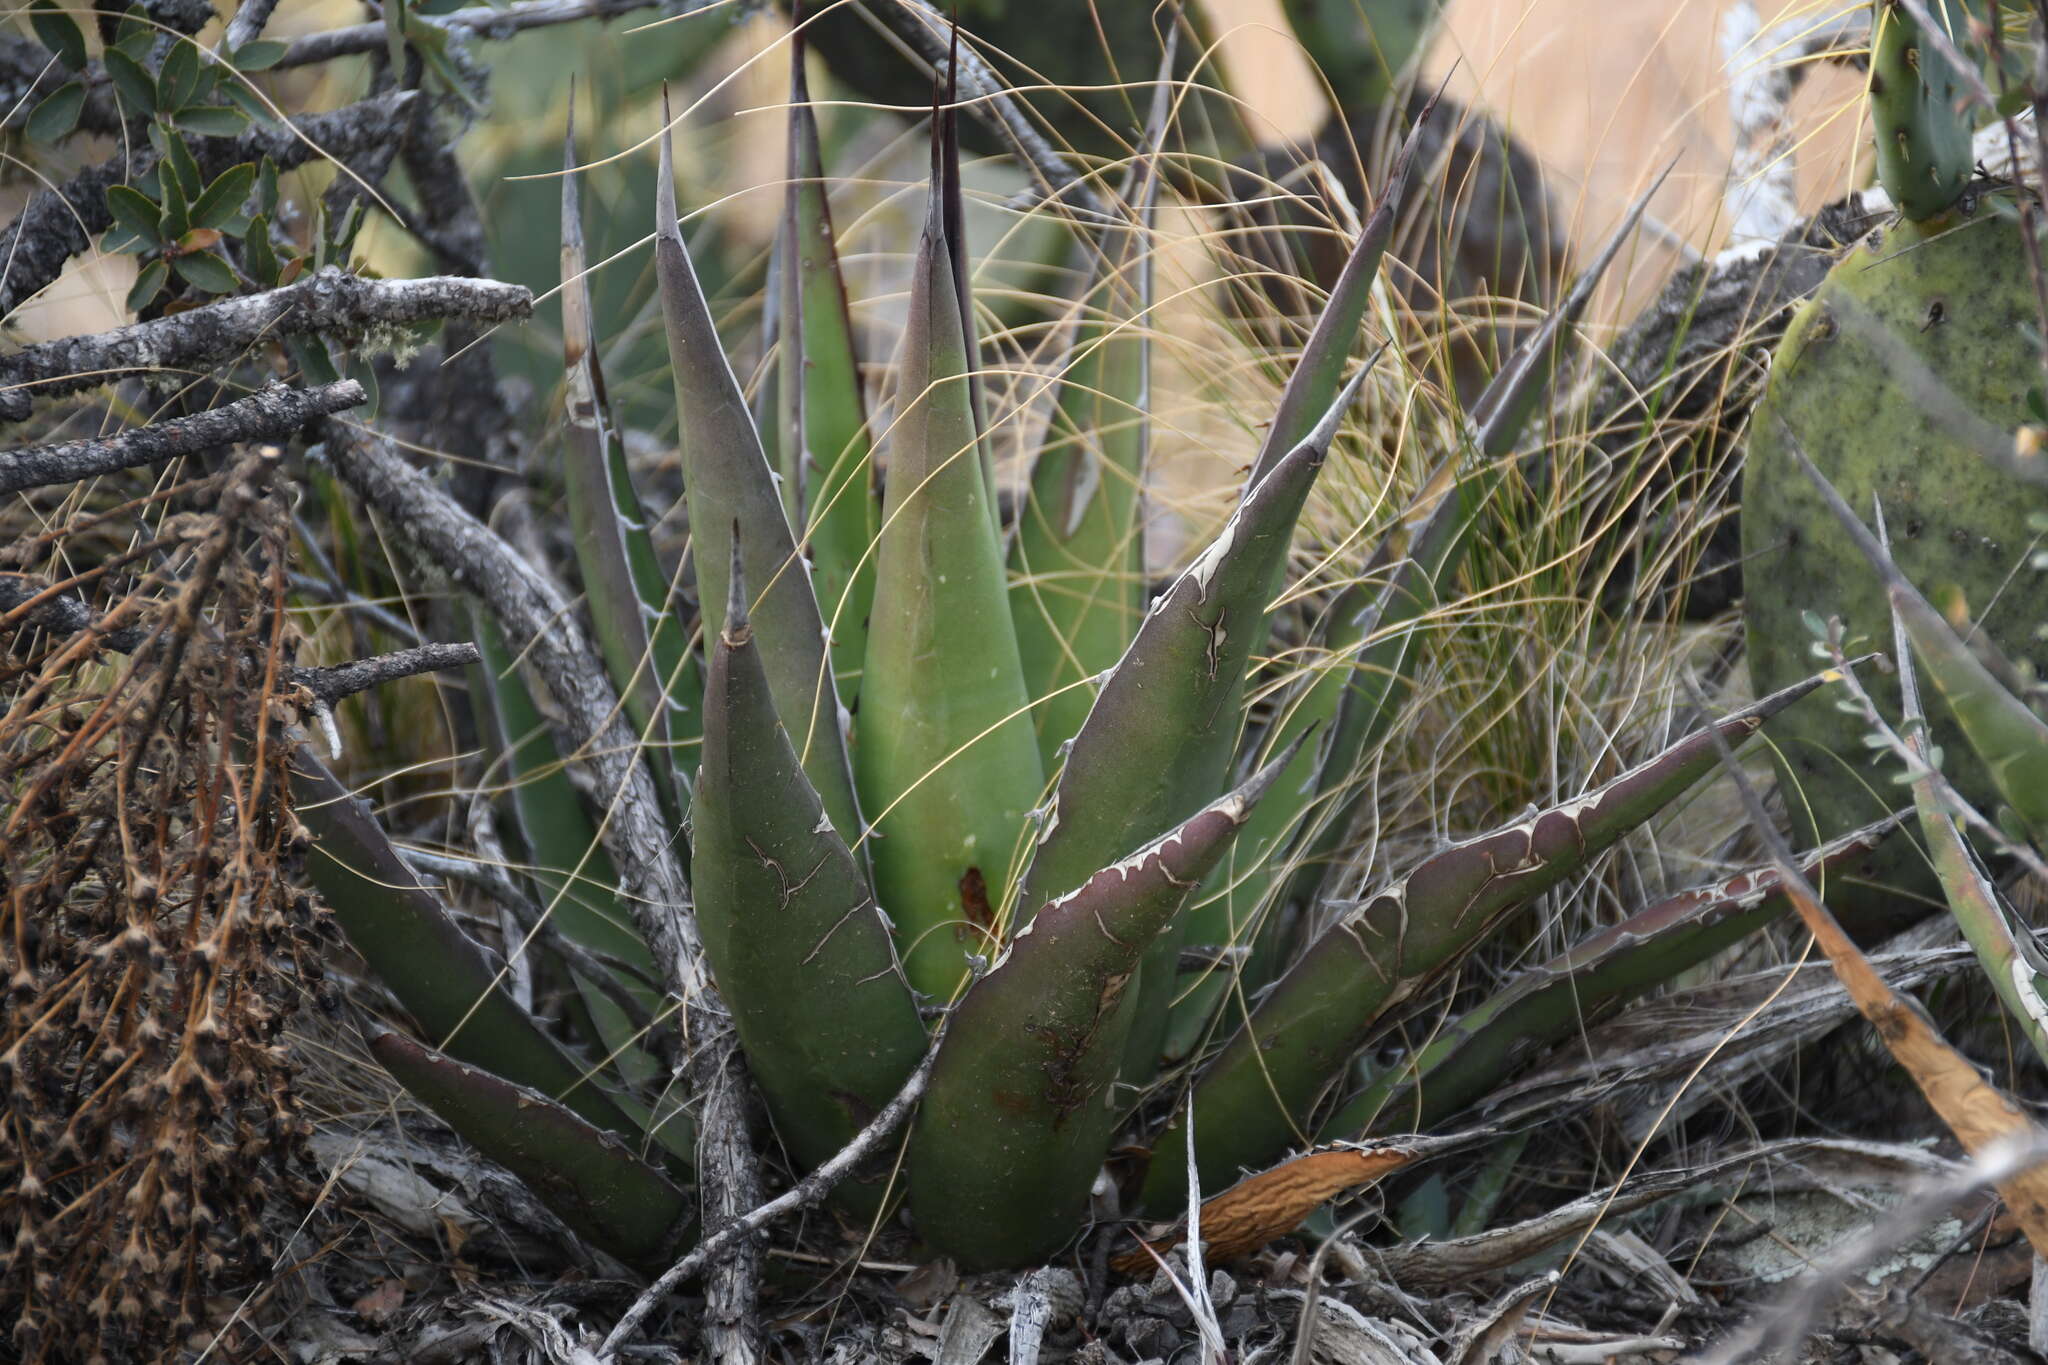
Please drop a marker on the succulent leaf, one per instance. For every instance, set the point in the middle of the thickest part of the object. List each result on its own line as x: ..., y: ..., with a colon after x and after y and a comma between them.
x: 576, y: 885
x: 1261, y: 1092
x: 1359, y: 698
x: 1021, y: 1105
x: 1546, y: 1005
x: 438, y: 972
x: 585, y: 1176
x: 728, y: 481
x: 944, y: 749
x: 1904, y: 378
x: 610, y: 587
x: 1077, y: 561
x: 2011, y: 960
x: 1320, y: 370
x: 797, y: 944
x: 1924, y: 154
x: 1159, y: 738
x: 825, y: 444
x: 1422, y: 554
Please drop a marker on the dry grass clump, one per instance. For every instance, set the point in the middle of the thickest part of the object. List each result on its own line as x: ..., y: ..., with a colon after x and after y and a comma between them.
x: 153, y: 937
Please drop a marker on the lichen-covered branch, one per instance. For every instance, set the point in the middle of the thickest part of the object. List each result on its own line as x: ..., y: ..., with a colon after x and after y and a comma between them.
x: 1764, y: 68
x: 496, y: 22
x: 247, y: 25
x: 270, y: 415
x: 329, y: 302
x: 924, y: 26
x: 333, y: 682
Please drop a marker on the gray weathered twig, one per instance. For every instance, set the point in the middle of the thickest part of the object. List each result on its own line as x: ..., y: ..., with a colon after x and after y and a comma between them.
x: 729, y: 1181
x: 921, y: 24
x: 60, y: 223
x: 529, y: 608
x: 329, y: 302
x: 247, y: 25
x: 802, y: 1195
x: 269, y: 415
x: 484, y: 21
x: 331, y: 683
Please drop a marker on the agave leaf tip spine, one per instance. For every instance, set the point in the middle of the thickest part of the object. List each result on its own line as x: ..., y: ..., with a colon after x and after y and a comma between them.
x: 1325, y: 429
x: 665, y: 216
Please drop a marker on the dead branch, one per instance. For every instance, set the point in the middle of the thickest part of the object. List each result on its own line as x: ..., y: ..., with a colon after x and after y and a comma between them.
x: 730, y: 1182
x: 484, y: 21
x: 528, y: 607
x: 921, y: 24
x: 329, y: 302
x: 63, y: 614
x: 247, y: 25
x: 330, y: 684
x: 60, y: 223
x: 271, y: 415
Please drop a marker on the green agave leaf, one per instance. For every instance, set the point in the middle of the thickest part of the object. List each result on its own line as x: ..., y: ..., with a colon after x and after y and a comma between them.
x: 828, y: 465
x: 416, y: 949
x: 1077, y: 561
x: 944, y: 750
x: 1020, y: 1109
x: 2012, y: 962
x: 729, y: 483
x: 1320, y: 370
x: 1157, y: 743
x: 2004, y: 731
x: 952, y: 207
x: 587, y: 1178
x: 801, y: 952
x: 1260, y: 1094
x: 570, y: 870
x: 1421, y: 556
x: 1235, y: 900
x: 1549, y: 1004
x: 612, y: 590
x: 1417, y: 561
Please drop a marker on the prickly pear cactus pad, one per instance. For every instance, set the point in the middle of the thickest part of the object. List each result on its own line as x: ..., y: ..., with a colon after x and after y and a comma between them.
x: 1911, y: 361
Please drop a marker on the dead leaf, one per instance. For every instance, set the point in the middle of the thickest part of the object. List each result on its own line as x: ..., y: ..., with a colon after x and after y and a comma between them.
x: 377, y: 1306
x: 1272, y: 1203
x: 1979, y: 1114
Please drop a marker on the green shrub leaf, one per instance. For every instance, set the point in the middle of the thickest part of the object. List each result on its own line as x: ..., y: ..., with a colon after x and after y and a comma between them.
x: 59, y: 32
x: 57, y: 113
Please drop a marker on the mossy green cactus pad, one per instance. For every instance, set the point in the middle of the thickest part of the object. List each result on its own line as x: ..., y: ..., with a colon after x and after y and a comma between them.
x: 1911, y: 360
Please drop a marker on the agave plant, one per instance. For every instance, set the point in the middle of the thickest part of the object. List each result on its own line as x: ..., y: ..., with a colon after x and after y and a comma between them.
x: 924, y: 760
